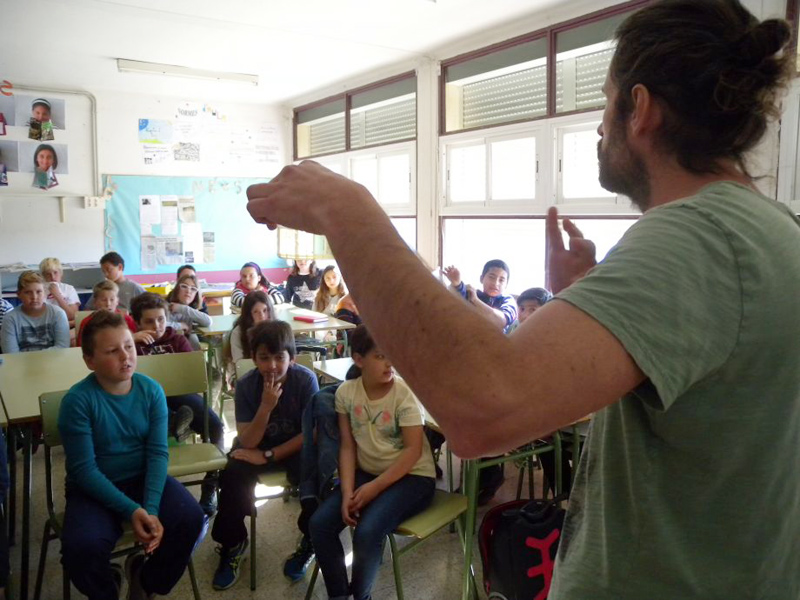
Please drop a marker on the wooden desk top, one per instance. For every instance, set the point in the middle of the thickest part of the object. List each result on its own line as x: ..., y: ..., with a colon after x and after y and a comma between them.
x: 335, y: 368
x: 27, y: 375
x: 221, y: 324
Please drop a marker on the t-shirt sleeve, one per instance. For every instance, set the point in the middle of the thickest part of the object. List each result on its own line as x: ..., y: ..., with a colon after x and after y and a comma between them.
x: 409, y: 411
x: 60, y: 329
x: 181, y: 343
x: 670, y: 292
x: 243, y: 401
x: 71, y: 295
x: 9, y: 340
x: 509, y: 309
x: 344, y: 395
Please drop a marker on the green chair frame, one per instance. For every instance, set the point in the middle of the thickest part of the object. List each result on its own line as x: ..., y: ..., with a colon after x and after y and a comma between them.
x: 49, y: 404
x: 445, y: 508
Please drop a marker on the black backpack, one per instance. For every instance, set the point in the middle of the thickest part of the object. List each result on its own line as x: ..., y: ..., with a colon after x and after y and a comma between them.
x: 518, y: 543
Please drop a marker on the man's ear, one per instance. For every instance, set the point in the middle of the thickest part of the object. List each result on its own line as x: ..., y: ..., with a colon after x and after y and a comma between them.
x: 647, y: 114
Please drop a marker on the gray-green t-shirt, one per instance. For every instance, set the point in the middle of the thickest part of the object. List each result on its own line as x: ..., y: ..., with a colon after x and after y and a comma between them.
x: 689, y: 486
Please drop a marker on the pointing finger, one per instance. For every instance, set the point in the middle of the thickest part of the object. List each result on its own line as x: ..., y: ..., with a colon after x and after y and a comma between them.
x: 552, y: 230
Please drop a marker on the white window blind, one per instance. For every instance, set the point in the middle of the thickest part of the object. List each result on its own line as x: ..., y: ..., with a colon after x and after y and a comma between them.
x: 511, y: 97
x: 327, y: 136
x: 383, y: 124
x: 579, y: 81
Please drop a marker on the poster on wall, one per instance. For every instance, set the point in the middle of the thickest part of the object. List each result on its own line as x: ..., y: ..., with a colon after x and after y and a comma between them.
x: 148, y: 254
x: 34, y: 155
x: 169, y: 250
x: 169, y: 215
x: 9, y: 157
x: 41, y: 114
x: 149, y: 213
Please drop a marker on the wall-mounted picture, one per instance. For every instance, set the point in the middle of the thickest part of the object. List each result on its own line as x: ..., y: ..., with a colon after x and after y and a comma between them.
x: 9, y: 155
x: 42, y: 115
x: 33, y: 155
x: 44, y: 174
x: 7, y: 108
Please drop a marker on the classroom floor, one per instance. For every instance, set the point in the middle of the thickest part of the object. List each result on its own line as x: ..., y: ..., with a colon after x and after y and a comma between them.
x: 433, y: 570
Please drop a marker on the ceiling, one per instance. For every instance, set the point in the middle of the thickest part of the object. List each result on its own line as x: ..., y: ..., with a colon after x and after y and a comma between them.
x: 295, y: 47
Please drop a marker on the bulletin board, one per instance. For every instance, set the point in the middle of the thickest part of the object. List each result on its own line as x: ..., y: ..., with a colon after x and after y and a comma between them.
x: 160, y: 223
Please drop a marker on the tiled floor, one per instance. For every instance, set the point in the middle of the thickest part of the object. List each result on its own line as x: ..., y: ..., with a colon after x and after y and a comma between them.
x: 433, y: 570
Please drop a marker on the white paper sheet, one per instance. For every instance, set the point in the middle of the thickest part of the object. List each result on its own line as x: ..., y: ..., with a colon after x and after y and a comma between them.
x: 186, y: 209
x: 149, y: 213
x: 169, y: 215
x: 148, y: 257
x: 169, y: 251
x: 193, y: 241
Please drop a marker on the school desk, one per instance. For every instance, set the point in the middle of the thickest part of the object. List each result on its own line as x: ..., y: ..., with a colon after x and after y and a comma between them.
x: 333, y: 369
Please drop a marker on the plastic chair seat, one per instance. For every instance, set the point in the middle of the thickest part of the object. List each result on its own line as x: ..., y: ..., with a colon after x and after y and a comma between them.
x: 190, y: 459
x: 443, y: 510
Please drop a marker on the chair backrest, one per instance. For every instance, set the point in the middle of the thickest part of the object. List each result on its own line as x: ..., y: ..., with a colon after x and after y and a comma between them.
x: 305, y: 360
x: 244, y: 366
x: 180, y: 373
x: 80, y: 316
x: 49, y: 405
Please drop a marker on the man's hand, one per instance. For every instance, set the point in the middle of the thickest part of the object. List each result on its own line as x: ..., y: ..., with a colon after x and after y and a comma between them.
x: 453, y: 274
x: 147, y: 529
x: 271, y: 393
x: 304, y: 196
x: 565, y: 267
x: 145, y: 336
x: 472, y: 295
x: 363, y: 496
x: 254, y: 456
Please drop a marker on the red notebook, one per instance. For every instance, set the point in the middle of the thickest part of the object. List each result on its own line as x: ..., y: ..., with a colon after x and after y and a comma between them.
x: 308, y: 319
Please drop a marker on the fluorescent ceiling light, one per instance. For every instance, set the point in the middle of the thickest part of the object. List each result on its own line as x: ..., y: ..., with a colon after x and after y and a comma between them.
x: 136, y: 66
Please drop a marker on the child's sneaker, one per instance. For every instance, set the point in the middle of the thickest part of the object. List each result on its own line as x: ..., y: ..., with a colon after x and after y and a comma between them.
x: 133, y: 573
x: 230, y: 563
x: 180, y: 423
x: 208, y: 500
x: 296, y: 565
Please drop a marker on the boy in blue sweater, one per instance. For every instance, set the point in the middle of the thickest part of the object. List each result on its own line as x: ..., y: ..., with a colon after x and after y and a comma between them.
x: 113, y: 425
x: 491, y: 300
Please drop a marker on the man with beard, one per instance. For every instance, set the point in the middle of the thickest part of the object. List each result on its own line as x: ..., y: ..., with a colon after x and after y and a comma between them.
x: 684, y: 341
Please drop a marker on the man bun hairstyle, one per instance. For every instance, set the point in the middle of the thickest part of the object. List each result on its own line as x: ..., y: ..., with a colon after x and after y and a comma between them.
x: 98, y: 320
x: 718, y: 72
x: 146, y: 301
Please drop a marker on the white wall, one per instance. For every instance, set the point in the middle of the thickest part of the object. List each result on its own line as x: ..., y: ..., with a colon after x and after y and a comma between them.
x: 31, y: 228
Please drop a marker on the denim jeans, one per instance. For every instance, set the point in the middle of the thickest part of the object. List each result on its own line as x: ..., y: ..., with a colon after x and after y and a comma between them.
x: 91, y: 531
x: 403, y: 499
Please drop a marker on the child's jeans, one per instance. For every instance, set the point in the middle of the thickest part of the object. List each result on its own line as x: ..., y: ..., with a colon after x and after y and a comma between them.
x: 91, y: 531
x: 395, y: 504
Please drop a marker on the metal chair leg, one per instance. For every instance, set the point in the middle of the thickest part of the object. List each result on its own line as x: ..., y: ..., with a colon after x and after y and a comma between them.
x: 253, y: 535
x: 313, y: 582
x: 193, y: 579
x: 37, y: 592
x: 398, y: 577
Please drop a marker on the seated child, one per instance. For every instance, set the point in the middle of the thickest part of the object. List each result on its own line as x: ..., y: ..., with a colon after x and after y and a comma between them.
x: 113, y: 425
x: 529, y: 302
x: 185, y: 301
x: 190, y: 270
x: 5, y: 306
x: 113, y: 267
x: 150, y: 313
x: 269, y: 404
x: 250, y: 280
x: 34, y: 325
x: 59, y: 293
x: 386, y: 470
x: 302, y: 283
x: 501, y: 309
x: 330, y: 292
x: 104, y: 297
x: 491, y: 301
x: 257, y: 307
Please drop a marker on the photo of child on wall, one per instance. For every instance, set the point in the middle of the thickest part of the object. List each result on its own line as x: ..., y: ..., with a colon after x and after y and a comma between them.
x: 40, y: 126
x: 45, y: 163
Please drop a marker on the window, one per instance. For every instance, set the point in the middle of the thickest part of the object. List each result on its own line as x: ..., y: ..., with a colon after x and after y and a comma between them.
x: 583, y: 56
x: 407, y: 228
x: 507, y: 85
x: 492, y: 171
x: 320, y: 129
x: 470, y: 243
x: 387, y: 174
x: 511, y: 81
x: 381, y: 113
x: 577, y: 166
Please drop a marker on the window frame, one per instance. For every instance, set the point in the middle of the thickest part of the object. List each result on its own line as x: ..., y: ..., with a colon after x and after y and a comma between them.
x: 550, y: 33
x: 347, y: 96
x: 489, y: 205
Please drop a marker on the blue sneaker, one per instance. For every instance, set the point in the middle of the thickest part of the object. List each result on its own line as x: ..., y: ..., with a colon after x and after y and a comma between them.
x: 297, y: 564
x: 230, y: 564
